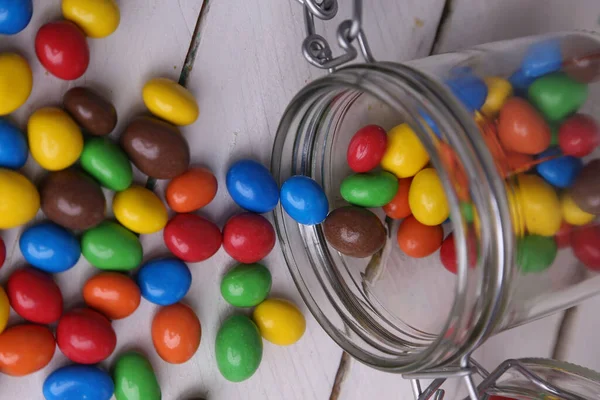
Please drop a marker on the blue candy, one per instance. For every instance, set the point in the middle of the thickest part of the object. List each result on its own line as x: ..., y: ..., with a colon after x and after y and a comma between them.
x: 429, y: 121
x: 252, y: 187
x: 560, y: 171
x: 469, y: 89
x: 50, y: 247
x: 76, y: 382
x: 520, y: 82
x: 164, y: 281
x: 542, y: 58
x: 13, y: 145
x: 14, y: 15
x: 304, y: 200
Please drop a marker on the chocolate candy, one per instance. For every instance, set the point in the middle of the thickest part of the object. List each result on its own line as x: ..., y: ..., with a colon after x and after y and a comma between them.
x: 585, y: 192
x: 156, y: 148
x: 72, y: 199
x: 354, y: 231
x: 95, y: 114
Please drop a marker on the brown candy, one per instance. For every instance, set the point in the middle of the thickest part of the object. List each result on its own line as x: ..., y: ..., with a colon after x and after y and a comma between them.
x: 354, y: 231
x: 72, y: 199
x: 95, y: 114
x: 585, y: 191
x: 156, y: 148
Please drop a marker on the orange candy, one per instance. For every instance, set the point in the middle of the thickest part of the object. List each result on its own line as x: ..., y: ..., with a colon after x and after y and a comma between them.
x: 115, y: 295
x: 418, y: 240
x: 191, y: 190
x: 398, y: 207
x: 176, y: 333
x: 25, y: 349
x: 522, y: 129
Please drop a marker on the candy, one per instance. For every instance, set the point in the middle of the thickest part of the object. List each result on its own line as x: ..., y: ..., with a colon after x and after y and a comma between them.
x: 192, y: 238
x: 584, y: 69
x: 520, y: 82
x: 248, y: 238
x: 4, y: 309
x: 34, y: 296
x: 542, y: 58
x: 85, y: 336
x: 164, y: 281
x: 279, y: 321
x: 49, y: 247
x: 466, y: 209
x: 72, y: 199
x: 135, y: 378
x: 398, y: 207
x: 246, y: 285
x: 585, y: 242
x: 19, y: 199
x: 140, y: 210
x: 448, y: 255
x: 521, y: 128
x: 97, y: 18
x: 572, y: 213
x: 366, y: 148
x: 557, y: 96
x: 535, y: 253
x: 176, y: 333
x: 563, y: 236
x: 538, y: 204
x: 106, y: 162
x: 109, y: 246
x: 16, y: 82
x: 25, y: 349
x: 373, y: 189
x: 559, y: 171
x: 55, y: 140
x: 354, y: 231
x: 192, y: 190
x: 14, y: 16
x: 62, y: 49
x: 115, y: 295
x: 405, y: 155
x: 427, y: 198
x: 469, y: 89
x: 585, y: 192
x: 579, y: 135
x: 75, y: 382
x: 238, y: 348
x: 157, y: 148
x: 419, y: 240
x: 252, y: 187
x: 13, y: 146
x: 2, y: 252
x: 93, y: 112
x: 170, y: 101
x: 304, y: 200
x: 499, y: 90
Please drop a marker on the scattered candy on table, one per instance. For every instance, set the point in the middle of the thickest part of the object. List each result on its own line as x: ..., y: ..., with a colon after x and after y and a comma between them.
x: 134, y: 378
x: 113, y: 294
x: 25, y: 349
x: 4, y: 309
x: 238, y: 348
x: 304, y: 200
x: 15, y: 16
x: 248, y: 238
x: 34, y: 296
x: 16, y: 82
x: 246, y: 285
x: 252, y: 186
x: 164, y: 281
x: 107, y: 163
x: 19, y: 199
x: 74, y: 382
x: 279, y: 321
x: 176, y: 333
x: 170, y: 101
x: 97, y: 18
x: 110, y: 246
x: 192, y: 238
x: 13, y: 146
x: 96, y: 115
x: 192, y: 190
x: 140, y: 210
x: 49, y: 247
x: 354, y: 231
x: 62, y: 49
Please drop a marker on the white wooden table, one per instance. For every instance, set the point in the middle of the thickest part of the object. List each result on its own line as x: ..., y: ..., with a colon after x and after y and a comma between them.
x: 242, y: 60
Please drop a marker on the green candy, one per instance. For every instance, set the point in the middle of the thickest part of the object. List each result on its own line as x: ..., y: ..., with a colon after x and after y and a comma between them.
x: 238, y: 348
x: 246, y: 285
x: 536, y: 253
x: 135, y: 379
x: 466, y: 210
x: 106, y: 162
x: 373, y: 189
x: 554, y: 128
x: 557, y: 96
x: 109, y: 246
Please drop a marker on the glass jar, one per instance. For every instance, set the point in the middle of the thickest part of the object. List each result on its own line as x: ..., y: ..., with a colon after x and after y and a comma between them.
x: 507, y: 190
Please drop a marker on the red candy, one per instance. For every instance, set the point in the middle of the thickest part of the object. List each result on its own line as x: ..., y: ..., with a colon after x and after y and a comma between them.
x: 366, y: 148
x: 62, y: 49
x: 2, y: 252
x: 585, y: 242
x: 448, y: 252
x: 579, y: 135
x: 85, y: 336
x: 563, y: 236
x: 248, y: 238
x: 34, y: 296
x: 192, y: 238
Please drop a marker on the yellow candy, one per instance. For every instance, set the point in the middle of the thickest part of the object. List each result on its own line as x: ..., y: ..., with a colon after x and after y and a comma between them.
x: 516, y: 214
x: 279, y: 321
x: 539, y: 205
x: 140, y: 210
x: 405, y: 155
x: 97, y: 18
x: 572, y: 213
x: 19, y: 199
x: 170, y: 101
x: 55, y: 140
x: 4, y: 309
x: 499, y: 90
x: 427, y: 199
x: 16, y: 81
